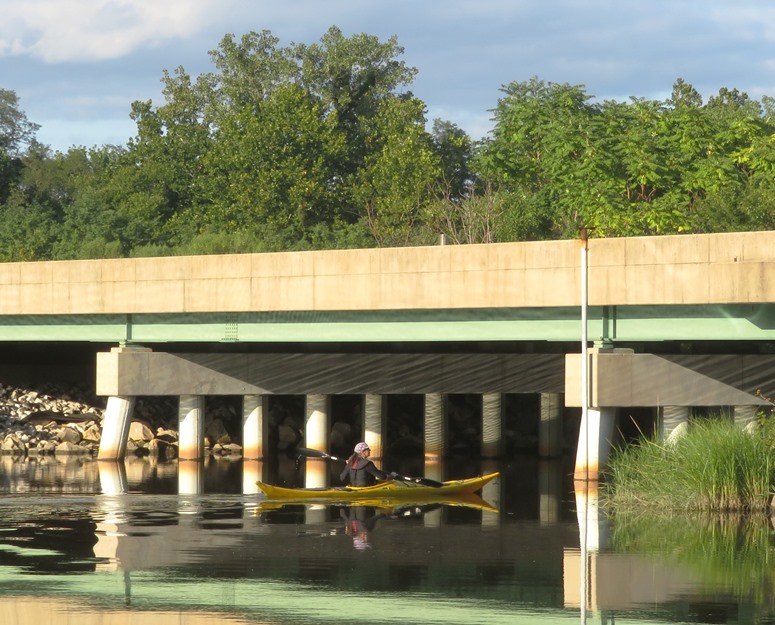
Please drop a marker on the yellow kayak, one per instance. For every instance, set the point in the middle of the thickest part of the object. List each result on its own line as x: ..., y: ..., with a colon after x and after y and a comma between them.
x: 392, y: 490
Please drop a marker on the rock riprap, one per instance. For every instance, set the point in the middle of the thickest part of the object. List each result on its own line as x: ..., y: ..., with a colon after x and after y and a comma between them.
x: 68, y: 421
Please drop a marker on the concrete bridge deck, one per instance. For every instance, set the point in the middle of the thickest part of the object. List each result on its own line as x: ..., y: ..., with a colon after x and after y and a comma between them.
x: 694, y: 287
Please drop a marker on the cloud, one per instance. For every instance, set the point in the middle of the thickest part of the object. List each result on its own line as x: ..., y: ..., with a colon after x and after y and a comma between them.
x: 57, y: 31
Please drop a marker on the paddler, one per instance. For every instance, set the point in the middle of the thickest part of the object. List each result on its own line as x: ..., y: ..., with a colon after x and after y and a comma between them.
x: 360, y: 470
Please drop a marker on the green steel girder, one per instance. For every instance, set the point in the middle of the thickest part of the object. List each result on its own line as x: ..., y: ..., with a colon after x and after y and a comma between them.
x: 617, y: 324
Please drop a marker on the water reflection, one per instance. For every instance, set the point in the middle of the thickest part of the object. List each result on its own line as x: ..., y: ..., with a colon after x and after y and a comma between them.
x: 103, y: 541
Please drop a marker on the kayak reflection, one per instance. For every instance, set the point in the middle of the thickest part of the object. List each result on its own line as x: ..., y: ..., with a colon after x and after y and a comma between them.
x: 360, y: 521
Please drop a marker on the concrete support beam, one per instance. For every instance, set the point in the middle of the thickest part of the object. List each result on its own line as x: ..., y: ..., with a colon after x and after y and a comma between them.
x: 594, y: 443
x: 492, y: 425
x: 550, y: 427
x: 435, y: 426
x: 115, y: 428
x: 191, y: 427
x: 255, y: 428
x: 374, y: 423
x: 620, y: 378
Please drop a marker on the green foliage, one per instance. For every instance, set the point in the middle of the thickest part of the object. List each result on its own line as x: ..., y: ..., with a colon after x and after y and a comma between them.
x: 16, y: 130
x: 312, y: 146
x: 715, y: 466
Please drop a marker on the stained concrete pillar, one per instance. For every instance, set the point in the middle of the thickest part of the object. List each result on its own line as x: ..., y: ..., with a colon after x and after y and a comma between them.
x: 191, y: 477
x: 113, y: 478
x: 550, y: 490
x: 255, y: 428
x: 745, y: 415
x: 316, y: 434
x: 594, y: 445
x: 191, y: 427
x: 672, y: 421
x: 374, y: 423
x: 115, y: 428
x: 435, y: 426
x: 252, y: 472
x: 316, y: 422
x: 492, y: 425
x: 491, y: 493
x: 550, y: 426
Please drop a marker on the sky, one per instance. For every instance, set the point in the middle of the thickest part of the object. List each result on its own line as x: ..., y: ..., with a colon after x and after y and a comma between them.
x: 77, y: 65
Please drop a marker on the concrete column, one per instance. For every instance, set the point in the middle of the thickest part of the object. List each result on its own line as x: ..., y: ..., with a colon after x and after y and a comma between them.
x: 594, y: 442
x: 593, y: 527
x: 550, y: 492
x: 316, y: 422
x: 115, y: 428
x: 317, y: 471
x: 672, y: 421
x: 435, y: 426
x: 492, y: 425
x: 191, y: 427
x: 113, y: 479
x: 745, y: 415
x: 191, y: 477
x: 254, y: 426
x: 491, y: 493
x: 550, y: 427
x: 252, y: 472
x: 374, y: 423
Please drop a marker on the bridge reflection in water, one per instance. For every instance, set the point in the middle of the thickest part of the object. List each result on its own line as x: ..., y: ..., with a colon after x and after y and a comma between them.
x: 122, y: 544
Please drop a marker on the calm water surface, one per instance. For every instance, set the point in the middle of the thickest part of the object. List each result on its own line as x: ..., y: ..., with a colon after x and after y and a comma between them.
x: 88, y: 542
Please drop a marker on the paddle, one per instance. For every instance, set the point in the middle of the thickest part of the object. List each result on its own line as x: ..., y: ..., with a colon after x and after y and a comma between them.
x: 314, y: 453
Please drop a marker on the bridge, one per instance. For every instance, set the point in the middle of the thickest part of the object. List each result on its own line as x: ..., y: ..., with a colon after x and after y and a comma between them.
x: 672, y: 322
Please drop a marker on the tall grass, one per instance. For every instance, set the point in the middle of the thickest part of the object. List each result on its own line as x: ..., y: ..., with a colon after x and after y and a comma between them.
x: 716, y: 466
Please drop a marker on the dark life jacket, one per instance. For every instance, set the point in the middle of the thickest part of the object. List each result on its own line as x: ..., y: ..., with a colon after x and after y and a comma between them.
x: 362, y: 472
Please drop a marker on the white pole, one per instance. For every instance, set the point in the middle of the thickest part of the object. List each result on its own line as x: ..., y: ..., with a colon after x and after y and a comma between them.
x: 584, y: 421
x: 584, y: 355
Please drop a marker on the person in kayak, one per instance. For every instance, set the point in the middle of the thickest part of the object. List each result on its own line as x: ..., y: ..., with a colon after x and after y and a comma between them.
x: 360, y: 471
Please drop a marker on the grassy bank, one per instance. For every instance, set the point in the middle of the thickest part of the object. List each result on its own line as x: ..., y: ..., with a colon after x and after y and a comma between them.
x: 715, y: 466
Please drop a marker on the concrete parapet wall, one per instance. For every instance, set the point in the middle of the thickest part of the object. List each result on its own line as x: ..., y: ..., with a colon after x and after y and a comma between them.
x: 691, y: 269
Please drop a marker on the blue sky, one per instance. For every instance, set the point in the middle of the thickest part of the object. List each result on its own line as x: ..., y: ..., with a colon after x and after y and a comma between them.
x: 77, y: 65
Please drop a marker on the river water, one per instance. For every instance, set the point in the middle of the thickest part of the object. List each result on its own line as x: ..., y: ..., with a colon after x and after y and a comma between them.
x: 90, y: 543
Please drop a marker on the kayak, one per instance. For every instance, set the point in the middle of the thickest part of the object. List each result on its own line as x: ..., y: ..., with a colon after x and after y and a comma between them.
x: 392, y: 490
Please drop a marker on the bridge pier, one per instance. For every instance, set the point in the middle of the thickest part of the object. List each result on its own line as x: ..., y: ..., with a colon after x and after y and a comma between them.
x: 745, y: 415
x: 191, y: 421
x: 254, y: 427
x: 550, y: 427
x: 595, y: 432
x: 435, y: 426
x: 492, y: 425
x: 672, y: 421
x: 115, y: 428
x: 374, y: 423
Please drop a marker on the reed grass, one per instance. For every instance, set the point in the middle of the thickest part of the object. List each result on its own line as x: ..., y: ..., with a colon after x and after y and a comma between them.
x: 715, y: 467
